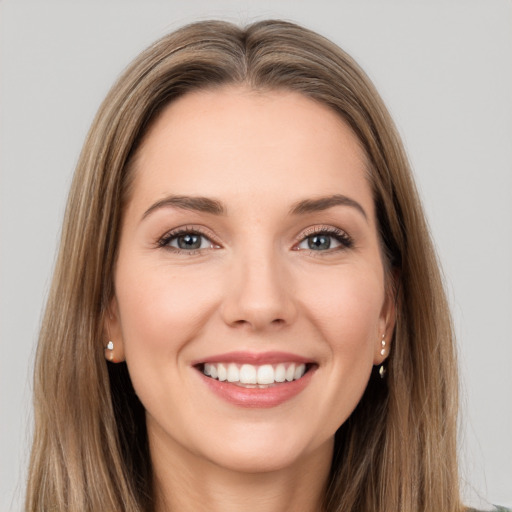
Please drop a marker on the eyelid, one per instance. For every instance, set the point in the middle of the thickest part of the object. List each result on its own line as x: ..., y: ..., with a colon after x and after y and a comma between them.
x: 181, y: 230
x: 321, y: 228
x: 341, y: 235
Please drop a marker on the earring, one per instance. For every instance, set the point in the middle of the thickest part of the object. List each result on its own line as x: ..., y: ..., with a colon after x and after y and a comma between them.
x: 109, y: 351
x: 382, y: 369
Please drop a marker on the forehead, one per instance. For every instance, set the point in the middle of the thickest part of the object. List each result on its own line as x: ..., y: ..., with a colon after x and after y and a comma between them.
x: 236, y: 141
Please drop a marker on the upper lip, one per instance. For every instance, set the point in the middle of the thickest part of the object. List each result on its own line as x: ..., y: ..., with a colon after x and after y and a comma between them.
x: 254, y: 358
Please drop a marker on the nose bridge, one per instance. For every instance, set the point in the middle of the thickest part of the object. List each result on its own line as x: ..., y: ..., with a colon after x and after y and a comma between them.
x: 259, y: 291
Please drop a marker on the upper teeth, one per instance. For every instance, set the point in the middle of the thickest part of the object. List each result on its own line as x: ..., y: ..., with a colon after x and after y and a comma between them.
x: 250, y: 374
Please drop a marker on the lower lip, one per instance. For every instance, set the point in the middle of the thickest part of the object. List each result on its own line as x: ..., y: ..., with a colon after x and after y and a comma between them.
x: 258, y: 397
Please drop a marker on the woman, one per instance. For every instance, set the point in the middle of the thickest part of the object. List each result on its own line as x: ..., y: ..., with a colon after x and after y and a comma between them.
x: 244, y: 245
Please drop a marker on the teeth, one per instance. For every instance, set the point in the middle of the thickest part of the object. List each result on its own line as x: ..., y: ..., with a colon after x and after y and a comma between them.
x: 266, y: 374
x: 233, y: 373
x: 222, y: 372
x: 250, y: 374
x: 299, y: 371
x: 280, y: 373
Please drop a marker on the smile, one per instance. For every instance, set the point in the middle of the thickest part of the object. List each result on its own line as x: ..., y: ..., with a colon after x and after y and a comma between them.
x: 249, y: 375
x: 251, y: 380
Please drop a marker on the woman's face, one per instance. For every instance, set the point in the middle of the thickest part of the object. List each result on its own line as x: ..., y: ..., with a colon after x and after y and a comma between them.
x: 249, y: 287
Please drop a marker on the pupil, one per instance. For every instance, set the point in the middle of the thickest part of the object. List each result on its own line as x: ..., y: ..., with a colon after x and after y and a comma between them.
x: 189, y: 242
x: 319, y: 242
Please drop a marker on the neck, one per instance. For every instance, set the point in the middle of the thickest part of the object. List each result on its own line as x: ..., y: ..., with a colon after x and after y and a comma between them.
x: 185, y: 482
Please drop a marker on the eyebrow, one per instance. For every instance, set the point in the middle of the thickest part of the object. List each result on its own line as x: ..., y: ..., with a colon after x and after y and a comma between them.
x: 198, y: 204
x: 324, y: 203
x: 214, y: 207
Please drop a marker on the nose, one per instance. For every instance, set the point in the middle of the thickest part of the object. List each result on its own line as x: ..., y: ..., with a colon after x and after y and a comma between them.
x: 259, y: 293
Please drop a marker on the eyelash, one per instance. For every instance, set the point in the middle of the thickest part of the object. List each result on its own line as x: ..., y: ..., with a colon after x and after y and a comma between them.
x: 339, y: 235
x: 164, y: 241
x: 345, y: 241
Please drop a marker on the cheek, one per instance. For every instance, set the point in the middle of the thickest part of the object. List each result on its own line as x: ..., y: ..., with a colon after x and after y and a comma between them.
x: 346, y: 308
x: 161, y: 308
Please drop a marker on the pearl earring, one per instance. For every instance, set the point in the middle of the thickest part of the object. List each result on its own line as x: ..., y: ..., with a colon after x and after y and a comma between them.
x: 383, y: 345
x: 382, y: 369
x: 110, y: 349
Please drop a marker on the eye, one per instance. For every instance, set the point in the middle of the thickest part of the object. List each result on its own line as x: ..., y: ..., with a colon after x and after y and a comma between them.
x: 321, y: 242
x: 325, y: 240
x: 186, y: 241
x: 190, y: 241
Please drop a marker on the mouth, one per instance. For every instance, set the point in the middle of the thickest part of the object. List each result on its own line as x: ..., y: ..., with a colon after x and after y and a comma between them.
x: 256, y: 380
x: 255, y: 376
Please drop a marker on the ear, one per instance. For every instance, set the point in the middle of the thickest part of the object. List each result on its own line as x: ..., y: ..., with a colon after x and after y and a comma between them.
x: 387, y: 321
x: 114, y: 344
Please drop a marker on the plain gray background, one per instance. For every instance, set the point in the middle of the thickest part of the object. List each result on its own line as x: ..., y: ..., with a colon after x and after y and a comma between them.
x: 444, y: 70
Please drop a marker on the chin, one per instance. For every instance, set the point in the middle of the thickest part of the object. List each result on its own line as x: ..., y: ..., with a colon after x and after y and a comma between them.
x: 266, y: 453
x: 251, y: 462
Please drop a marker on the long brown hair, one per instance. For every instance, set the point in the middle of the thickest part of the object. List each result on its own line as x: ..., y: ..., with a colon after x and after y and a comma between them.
x: 397, y: 451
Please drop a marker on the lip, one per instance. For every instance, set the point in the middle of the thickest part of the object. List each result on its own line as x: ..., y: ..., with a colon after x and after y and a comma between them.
x: 254, y: 358
x: 271, y: 396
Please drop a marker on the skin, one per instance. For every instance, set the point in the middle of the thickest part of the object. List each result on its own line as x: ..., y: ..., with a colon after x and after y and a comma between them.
x: 255, y: 285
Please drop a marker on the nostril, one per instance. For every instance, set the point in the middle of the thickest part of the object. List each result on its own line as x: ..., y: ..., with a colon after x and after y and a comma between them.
x: 276, y: 321
x: 240, y: 322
